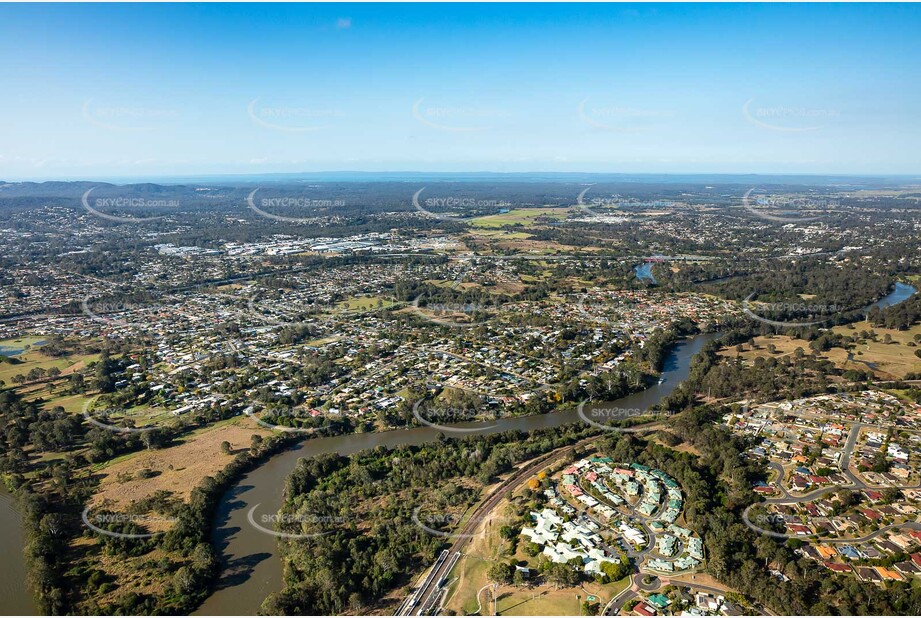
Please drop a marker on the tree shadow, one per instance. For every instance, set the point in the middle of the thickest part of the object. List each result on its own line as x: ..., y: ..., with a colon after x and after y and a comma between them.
x: 239, y: 570
x: 505, y: 610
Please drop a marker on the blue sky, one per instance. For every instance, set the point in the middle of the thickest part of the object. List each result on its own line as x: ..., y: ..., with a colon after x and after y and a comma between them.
x: 94, y: 91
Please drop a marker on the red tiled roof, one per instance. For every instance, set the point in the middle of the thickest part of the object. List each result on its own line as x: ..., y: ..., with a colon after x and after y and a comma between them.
x: 840, y: 568
x: 573, y: 490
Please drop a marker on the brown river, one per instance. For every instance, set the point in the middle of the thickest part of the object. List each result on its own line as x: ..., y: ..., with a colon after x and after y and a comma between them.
x: 252, y: 568
x: 251, y: 565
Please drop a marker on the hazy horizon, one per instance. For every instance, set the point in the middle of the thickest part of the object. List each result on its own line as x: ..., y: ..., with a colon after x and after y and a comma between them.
x: 358, y: 176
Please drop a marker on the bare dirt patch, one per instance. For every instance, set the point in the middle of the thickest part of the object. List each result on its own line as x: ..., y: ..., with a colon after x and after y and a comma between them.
x: 180, y: 468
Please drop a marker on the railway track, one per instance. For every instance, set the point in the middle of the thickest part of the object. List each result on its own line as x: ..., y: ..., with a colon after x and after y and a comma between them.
x: 423, y: 600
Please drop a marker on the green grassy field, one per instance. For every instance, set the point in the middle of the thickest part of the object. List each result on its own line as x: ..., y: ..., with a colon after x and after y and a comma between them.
x: 364, y: 303
x: 323, y: 341
x: 538, y: 602
x: 21, y: 342
x: 70, y: 403
x: 471, y: 571
x: 32, y: 359
x: 498, y: 234
x: 523, y: 216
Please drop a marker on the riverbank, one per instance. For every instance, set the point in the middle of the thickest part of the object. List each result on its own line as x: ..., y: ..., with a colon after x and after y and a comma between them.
x: 252, y: 569
x: 14, y: 576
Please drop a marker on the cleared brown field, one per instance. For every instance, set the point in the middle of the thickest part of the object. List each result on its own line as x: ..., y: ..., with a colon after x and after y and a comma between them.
x: 180, y: 468
x: 784, y: 345
x: 888, y: 361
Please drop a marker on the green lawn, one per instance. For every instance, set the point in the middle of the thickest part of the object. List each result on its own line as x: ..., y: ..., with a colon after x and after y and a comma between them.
x: 523, y: 216
x: 21, y: 342
x: 33, y: 359
x: 364, y: 303
x: 474, y: 575
x: 315, y: 343
x: 539, y: 602
x: 497, y: 234
x: 70, y: 403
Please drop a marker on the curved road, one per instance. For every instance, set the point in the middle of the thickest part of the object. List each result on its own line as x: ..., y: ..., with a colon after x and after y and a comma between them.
x: 856, y: 484
x: 616, y: 604
x: 778, y: 482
